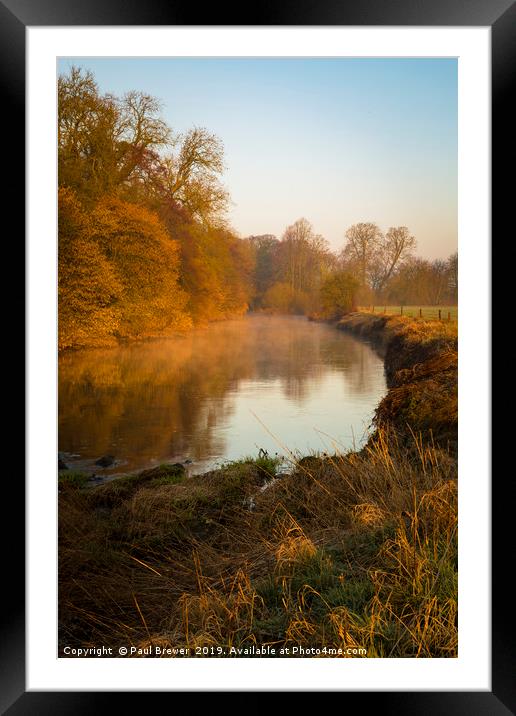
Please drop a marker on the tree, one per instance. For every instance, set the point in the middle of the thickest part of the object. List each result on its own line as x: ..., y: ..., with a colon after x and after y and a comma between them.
x: 192, y: 176
x: 395, y: 247
x: 419, y: 281
x: 148, y: 218
x: 361, y: 250
x: 265, y: 249
x: 302, y: 257
x: 147, y: 263
x: 338, y: 294
x: 453, y: 276
x: 283, y: 298
x: 103, y: 140
x: 438, y: 281
x: 88, y: 287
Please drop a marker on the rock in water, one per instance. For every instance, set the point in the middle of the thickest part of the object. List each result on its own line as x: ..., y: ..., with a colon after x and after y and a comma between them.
x: 105, y: 461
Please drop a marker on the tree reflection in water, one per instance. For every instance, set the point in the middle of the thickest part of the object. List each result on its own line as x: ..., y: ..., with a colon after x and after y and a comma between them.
x: 191, y: 396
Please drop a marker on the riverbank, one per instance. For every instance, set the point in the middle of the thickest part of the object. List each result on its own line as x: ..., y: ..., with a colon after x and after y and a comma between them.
x: 421, y: 360
x: 347, y: 552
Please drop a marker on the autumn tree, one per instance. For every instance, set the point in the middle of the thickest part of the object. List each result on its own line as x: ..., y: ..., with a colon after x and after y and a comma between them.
x: 148, y: 210
x: 192, y: 175
x: 102, y: 139
x: 338, y: 294
x: 147, y: 262
x: 282, y: 297
x: 88, y: 286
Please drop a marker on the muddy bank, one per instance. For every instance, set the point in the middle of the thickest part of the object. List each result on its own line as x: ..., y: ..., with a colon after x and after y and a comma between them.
x: 421, y: 369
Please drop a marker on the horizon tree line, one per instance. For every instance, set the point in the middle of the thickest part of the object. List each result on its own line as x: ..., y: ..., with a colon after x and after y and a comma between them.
x: 299, y: 273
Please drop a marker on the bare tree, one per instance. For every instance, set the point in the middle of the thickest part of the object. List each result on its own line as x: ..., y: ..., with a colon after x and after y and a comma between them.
x: 361, y: 249
x: 453, y: 276
x: 302, y: 256
x: 395, y: 247
x: 439, y: 280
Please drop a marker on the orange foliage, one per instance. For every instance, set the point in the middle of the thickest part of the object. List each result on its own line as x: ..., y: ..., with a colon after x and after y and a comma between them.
x: 217, y: 268
x: 147, y: 262
x: 88, y: 287
x: 143, y: 249
x: 282, y: 298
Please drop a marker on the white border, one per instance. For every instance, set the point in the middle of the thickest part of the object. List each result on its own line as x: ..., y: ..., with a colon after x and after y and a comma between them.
x: 471, y: 670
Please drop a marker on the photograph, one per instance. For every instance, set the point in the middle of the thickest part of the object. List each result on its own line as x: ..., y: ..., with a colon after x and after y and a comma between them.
x: 257, y: 340
x: 258, y: 354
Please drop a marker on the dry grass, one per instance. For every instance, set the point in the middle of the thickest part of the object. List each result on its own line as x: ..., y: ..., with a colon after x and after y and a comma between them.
x: 359, y: 550
x: 356, y: 550
x: 421, y: 365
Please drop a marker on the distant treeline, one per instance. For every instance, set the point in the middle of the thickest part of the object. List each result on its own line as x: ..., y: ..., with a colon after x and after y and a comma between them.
x: 300, y: 274
x: 145, y: 248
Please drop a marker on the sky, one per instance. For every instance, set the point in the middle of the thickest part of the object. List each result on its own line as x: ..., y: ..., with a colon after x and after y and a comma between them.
x: 337, y: 141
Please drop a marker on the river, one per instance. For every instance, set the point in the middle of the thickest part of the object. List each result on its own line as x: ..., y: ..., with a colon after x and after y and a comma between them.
x: 282, y: 384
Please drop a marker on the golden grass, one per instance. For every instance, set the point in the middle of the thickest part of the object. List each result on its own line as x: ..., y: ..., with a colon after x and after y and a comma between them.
x: 421, y: 362
x: 358, y: 550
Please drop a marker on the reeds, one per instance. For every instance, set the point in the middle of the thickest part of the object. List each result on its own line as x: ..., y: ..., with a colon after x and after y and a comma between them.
x: 356, y: 550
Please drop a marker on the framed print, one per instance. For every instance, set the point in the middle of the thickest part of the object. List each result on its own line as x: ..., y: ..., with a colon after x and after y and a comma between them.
x: 258, y: 353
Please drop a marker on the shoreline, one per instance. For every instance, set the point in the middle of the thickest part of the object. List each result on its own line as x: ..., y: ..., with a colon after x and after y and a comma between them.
x: 420, y: 360
x: 390, y: 337
x: 352, y: 550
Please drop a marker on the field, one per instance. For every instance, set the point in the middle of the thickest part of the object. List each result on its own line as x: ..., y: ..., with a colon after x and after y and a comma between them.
x: 428, y: 312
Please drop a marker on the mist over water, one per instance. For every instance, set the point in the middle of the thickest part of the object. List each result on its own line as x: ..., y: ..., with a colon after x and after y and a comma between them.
x: 219, y: 393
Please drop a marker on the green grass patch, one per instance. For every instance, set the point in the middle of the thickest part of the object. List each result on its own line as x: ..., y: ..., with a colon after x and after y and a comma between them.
x: 72, y: 479
x: 430, y: 313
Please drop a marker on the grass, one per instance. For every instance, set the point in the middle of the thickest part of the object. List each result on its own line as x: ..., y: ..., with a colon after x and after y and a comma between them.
x: 427, y: 312
x: 345, y: 551
x: 72, y: 479
x: 421, y: 361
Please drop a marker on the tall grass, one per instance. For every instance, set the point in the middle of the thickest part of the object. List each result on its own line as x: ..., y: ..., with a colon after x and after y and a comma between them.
x: 357, y: 550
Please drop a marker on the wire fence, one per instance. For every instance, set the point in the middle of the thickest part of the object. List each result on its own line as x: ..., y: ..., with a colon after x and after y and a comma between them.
x: 435, y: 313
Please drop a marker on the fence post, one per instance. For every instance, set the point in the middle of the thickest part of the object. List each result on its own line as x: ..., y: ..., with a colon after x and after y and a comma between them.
x: 420, y: 313
x: 449, y: 315
x: 401, y: 310
x: 385, y: 309
x: 439, y: 314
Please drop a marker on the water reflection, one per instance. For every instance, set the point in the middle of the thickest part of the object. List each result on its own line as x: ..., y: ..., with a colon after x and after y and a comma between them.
x: 196, y: 396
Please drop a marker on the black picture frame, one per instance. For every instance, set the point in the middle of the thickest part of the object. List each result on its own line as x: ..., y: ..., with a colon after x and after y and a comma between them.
x: 15, y: 17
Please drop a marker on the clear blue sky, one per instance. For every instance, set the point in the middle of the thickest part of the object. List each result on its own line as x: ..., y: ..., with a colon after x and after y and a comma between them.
x: 337, y: 141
